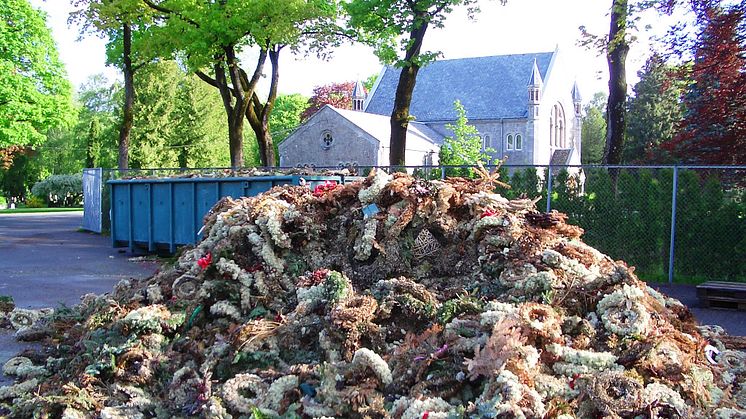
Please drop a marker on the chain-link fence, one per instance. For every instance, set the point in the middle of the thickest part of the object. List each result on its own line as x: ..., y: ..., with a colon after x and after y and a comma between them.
x: 627, y: 212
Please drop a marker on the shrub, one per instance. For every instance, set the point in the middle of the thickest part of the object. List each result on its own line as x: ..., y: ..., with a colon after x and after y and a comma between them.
x: 35, y: 202
x: 60, y: 190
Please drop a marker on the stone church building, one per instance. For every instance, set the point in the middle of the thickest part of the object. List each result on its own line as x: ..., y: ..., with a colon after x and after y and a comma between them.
x: 526, y: 107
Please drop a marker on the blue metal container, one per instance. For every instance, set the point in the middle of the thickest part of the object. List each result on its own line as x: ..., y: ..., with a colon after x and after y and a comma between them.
x: 166, y: 213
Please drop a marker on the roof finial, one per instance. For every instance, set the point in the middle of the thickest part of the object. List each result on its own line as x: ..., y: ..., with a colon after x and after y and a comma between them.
x: 535, y: 79
x: 576, y: 97
x: 358, y: 96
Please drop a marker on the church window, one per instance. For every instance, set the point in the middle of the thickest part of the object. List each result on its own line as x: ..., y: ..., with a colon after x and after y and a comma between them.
x: 518, y: 142
x: 486, y: 142
x: 557, y: 134
x: 326, y: 140
x: 510, y: 142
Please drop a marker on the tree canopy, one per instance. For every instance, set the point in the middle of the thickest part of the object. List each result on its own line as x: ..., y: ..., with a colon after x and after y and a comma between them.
x: 338, y: 95
x: 655, y: 110
x: 396, y: 29
x: 34, y: 91
x: 593, y: 130
x: 713, y: 130
x: 210, y: 37
x: 464, y: 147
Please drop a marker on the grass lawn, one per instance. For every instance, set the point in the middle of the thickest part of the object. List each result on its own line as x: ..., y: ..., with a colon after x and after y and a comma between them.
x: 30, y: 210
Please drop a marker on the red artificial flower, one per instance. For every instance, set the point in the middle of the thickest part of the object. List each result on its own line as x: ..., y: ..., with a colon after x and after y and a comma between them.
x: 255, y: 267
x: 488, y: 213
x: 425, y: 415
x: 572, y: 381
x: 321, y: 189
x: 205, y: 261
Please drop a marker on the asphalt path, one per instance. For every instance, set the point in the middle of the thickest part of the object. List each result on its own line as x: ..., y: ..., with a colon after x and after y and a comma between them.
x: 46, y: 260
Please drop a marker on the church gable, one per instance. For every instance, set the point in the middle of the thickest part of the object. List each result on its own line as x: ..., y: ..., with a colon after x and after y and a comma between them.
x: 329, y: 139
x: 488, y: 87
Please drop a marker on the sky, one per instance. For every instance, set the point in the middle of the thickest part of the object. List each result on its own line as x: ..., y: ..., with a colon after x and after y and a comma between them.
x: 520, y: 26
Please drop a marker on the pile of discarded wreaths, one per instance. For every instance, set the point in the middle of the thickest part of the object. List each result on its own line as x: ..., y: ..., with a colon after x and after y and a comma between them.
x: 391, y: 297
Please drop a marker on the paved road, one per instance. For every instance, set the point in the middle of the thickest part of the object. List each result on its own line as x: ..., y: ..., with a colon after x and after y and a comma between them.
x: 46, y: 260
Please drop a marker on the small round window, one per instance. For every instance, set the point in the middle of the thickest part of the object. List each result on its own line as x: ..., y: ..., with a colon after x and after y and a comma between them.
x: 326, y: 140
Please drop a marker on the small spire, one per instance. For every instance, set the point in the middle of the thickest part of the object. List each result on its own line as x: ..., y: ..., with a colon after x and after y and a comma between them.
x: 535, y: 76
x: 576, y: 97
x: 358, y: 92
x: 358, y: 96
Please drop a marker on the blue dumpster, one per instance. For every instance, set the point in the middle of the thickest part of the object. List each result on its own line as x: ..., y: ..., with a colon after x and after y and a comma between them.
x: 165, y: 213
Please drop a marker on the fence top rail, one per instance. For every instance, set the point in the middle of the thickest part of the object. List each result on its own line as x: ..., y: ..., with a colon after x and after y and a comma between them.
x: 490, y: 166
x: 228, y: 179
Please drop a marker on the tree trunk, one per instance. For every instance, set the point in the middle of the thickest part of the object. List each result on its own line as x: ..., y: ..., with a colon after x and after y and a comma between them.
x: 616, y: 55
x: 258, y: 114
x: 235, y: 140
x: 403, y: 98
x: 183, y: 157
x: 129, y: 99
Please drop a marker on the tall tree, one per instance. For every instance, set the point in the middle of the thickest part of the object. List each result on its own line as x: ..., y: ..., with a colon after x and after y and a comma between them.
x: 383, y: 23
x: 213, y: 34
x: 118, y: 20
x: 91, y: 142
x: 654, y: 111
x: 464, y: 147
x: 338, y: 95
x: 35, y: 94
x: 593, y: 130
x: 714, y: 127
x: 616, y: 56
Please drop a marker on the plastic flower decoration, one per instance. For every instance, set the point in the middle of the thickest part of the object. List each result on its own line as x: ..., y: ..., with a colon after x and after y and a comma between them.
x: 488, y: 213
x: 323, y: 188
x: 205, y: 261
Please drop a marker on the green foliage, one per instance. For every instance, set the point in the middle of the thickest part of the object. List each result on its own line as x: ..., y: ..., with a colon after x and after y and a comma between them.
x: 634, y: 223
x: 391, y: 26
x: 60, y: 190
x: 463, y: 304
x: 92, y: 139
x: 464, y: 147
x: 35, y: 202
x: 178, y: 120
x: 593, y: 130
x: 16, y: 181
x: 35, y: 94
x: 370, y: 82
x: 286, y: 115
x: 654, y: 111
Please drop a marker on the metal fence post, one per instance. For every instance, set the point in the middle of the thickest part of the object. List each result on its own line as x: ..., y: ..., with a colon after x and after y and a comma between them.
x: 549, y: 189
x: 673, y: 223
x: 442, y: 172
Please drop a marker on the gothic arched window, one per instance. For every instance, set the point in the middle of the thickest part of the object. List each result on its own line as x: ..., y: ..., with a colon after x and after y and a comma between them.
x: 557, y: 135
x: 510, y: 142
x: 518, y: 142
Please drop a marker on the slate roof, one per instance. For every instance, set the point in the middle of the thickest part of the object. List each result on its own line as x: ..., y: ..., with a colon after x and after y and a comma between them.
x: 560, y: 157
x: 488, y: 87
x: 379, y: 127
